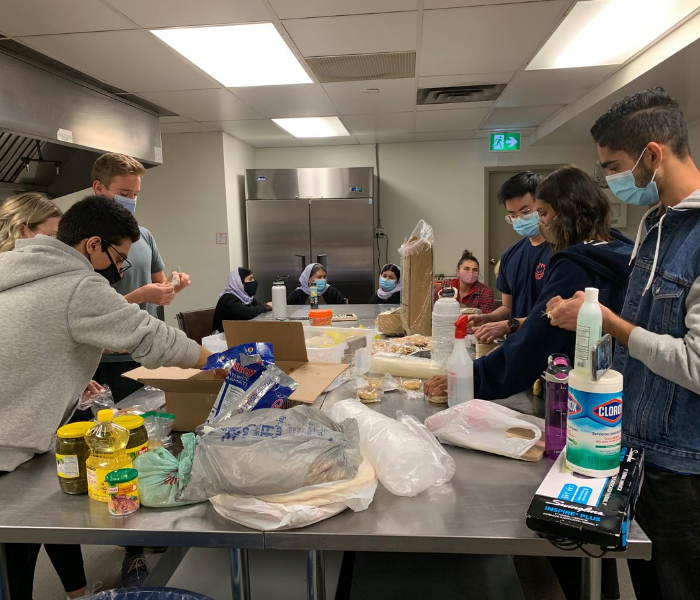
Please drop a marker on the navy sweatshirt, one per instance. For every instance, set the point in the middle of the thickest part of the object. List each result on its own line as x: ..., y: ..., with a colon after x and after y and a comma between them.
x: 517, y: 364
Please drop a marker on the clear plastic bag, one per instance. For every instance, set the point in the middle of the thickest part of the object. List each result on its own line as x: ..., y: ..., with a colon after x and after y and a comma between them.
x: 96, y: 402
x: 407, y: 461
x: 417, y: 280
x: 487, y: 426
x: 145, y: 400
x: 301, y: 507
x: 271, y: 451
x: 158, y: 426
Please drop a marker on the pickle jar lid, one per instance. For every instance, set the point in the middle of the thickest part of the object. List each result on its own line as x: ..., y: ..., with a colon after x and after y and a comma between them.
x: 74, y: 430
x: 129, y: 422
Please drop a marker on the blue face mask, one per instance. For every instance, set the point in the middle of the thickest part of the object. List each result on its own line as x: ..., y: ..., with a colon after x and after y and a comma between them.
x: 527, y: 225
x: 387, y: 284
x: 127, y: 203
x: 321, y: 285
x: 625, y: 188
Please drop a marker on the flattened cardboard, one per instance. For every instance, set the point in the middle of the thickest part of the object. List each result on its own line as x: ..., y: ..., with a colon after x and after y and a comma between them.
x: 417, y: 292
x: 190, y: 393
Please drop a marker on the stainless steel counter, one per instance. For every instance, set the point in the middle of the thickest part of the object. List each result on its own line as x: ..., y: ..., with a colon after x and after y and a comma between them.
x: 366, y: 313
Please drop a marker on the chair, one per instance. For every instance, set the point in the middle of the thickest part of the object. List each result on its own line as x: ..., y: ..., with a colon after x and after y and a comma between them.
x: 196, y: 323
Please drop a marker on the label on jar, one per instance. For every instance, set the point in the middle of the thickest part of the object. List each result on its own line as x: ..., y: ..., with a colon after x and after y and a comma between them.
x: 123, y: 498
x: 137, y: 451
x: 67, y: 466
x: 97, y: 486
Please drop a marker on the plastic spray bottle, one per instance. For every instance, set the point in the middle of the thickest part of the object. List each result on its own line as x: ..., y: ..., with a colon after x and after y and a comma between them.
x: 460, y: 367
x: 589, y: 329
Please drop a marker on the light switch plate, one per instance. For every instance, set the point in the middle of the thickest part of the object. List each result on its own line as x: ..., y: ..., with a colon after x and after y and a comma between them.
x: 222, y: 238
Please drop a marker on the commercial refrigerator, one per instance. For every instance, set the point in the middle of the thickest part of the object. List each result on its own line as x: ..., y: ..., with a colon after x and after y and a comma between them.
x: 298, y: 216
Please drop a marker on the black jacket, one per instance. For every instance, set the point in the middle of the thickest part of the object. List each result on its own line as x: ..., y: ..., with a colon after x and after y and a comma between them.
x: 395, y: 298
x: 230, y: 308
x: 331, y: 296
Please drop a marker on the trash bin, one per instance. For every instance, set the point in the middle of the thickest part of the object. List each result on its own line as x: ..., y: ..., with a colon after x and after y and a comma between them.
x: 147, y: 593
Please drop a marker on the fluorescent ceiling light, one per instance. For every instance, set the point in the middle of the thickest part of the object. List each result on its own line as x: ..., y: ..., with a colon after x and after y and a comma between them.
x: 313, y: 127
x: 238, y: 55
x: 608, y: 32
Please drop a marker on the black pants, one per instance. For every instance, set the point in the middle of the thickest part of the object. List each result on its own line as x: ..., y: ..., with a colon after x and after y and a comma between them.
x: 111, y: 374
x: 21, y: 563
x: 668, y: 510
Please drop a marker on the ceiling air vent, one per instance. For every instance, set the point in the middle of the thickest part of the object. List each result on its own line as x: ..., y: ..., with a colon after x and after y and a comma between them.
x: 463, y: 93
x: 363, y: 67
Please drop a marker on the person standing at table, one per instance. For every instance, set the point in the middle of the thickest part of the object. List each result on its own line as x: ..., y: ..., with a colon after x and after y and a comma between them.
x: 470, y: 292
x: 523, y: 266
x: 643, y: 143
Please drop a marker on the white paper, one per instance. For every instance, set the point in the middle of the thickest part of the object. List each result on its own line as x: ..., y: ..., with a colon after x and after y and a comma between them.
x: 64, y: 135
x: 158, y: 151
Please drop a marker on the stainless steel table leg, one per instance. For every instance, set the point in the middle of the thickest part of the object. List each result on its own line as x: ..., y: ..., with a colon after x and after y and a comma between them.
x: 316, y: 574
x: 240, y: 577
x: 4, y: 585
x: 591, y: 578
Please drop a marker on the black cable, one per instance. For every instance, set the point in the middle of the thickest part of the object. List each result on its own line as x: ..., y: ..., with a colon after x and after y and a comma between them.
x: 379, y: 253
x: 379, y: 212
x: 567, y: 545
x: 386, y: 249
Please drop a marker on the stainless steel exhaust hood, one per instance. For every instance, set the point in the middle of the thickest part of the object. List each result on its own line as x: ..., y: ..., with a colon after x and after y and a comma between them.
x: 53, y: 127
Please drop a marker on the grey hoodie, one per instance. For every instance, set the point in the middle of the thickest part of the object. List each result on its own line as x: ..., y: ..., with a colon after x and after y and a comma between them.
x: 56, y: 317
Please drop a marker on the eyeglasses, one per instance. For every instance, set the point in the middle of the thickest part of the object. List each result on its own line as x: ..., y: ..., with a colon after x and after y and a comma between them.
x: 525, y: 212
x: 126, y: 266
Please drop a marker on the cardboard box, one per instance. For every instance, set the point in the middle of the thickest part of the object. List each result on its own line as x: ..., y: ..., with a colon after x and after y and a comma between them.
x: 190, y: 393
x: 389, y: 322
x: 594, y: 511
x: 417, y: 281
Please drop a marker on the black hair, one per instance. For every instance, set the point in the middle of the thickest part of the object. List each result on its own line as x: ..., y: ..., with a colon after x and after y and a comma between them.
x: 634, y: 121
x: 97, y: 216
x: 519, y: 185
x: 315, y: 269
x: 583, y: 211
x: 467, y: 255
x: 243, y: 273
x: 393, y: 268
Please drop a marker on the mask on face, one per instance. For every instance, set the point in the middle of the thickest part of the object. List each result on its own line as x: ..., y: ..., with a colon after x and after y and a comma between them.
x: 111, y: 273
x: 468, y: 277
x: 250, y: 288
x: 320, y: 285
x: 127, y: 203
x: 547, y: 232
x: 625, y: 187
x: 527, y: 225
x: 387, y: 284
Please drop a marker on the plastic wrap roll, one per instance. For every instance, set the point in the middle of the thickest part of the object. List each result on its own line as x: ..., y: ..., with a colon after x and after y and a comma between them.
x: 406, y: 366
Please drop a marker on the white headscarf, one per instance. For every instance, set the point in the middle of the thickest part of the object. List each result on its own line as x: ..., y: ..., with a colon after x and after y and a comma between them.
x: 304, y: 279
x: 235, y: 287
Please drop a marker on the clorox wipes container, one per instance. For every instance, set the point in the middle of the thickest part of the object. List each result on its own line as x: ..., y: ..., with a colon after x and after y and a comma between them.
x: 594, y: 424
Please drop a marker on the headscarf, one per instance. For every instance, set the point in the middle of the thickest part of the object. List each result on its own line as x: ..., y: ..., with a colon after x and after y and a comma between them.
x: 306, y: 275
x: 235, y: 286
x: 395, y: 270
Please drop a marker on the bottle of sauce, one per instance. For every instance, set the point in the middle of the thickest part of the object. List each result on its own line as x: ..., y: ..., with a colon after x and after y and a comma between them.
x: 313, y: 296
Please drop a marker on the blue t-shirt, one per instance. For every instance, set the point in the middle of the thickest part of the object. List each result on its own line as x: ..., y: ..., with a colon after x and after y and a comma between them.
x: 522, y: 275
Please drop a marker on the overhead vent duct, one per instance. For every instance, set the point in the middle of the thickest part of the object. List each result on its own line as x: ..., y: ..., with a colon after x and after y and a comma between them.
x: 363, y: 67
x: 458, y: 94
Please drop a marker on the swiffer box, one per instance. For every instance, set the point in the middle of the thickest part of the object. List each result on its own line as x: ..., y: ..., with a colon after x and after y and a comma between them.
x: 583, y: 509
x: 190, y: 393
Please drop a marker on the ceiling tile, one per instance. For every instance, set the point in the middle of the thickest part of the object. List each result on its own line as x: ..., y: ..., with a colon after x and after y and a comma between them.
x: 295, y: 9
x: 39, y: 17
x: 131, y: 60
x: 175, y: 119
x: 183, y: 128
x: 485, y: 38
x: 465, y: 119
x: 430, y: 4
x: 257, y: 132
x: 455, y: 105
x: 515, y: 118
x: 357, y: 34
x: 393, y: 138
x: 554, y: 86
x: 395, y: 95
x: 330, y: 141
x: 455, y: 80
x: 204, y: 105
x: 279, y: 101
x: 440, y: 136
x: 179, y: 13
x: 379, y: 123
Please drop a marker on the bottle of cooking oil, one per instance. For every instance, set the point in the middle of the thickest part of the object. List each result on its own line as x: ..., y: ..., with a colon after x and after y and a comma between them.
x: 107, y: 442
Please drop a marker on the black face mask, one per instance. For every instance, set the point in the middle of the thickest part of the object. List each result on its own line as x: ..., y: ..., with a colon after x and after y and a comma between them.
x: 111, y: 273
x: 250, y: 288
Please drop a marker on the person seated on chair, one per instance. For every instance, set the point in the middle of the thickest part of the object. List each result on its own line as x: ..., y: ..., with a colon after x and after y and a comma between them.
x: 238, y: 302
x: 389, y: 290
x: 314, y: 273
x: 469, y: 291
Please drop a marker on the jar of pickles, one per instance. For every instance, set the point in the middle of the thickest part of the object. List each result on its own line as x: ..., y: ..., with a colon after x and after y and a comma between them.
x: 138, y: 435
x: 71, y: 454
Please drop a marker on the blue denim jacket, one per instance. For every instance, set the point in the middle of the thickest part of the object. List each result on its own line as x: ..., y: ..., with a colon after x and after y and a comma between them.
x: 660, y: 415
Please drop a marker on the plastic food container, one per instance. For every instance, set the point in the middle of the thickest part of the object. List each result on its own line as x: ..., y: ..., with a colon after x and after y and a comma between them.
x: 321, y: 317
x: 71, y: 454
x: 123, y: 490
x: 138, y: 435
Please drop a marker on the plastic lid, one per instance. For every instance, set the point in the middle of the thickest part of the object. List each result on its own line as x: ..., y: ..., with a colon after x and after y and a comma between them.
x: 74, y: 430
x: 321, y: 313
x: 105, y: 416
x: 121, y: 476
x: 592, y: 295
x: 129, y: 421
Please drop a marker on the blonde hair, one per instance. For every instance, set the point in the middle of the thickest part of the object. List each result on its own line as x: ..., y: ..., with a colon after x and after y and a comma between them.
x: 111, y: 165
x: 30, y: 209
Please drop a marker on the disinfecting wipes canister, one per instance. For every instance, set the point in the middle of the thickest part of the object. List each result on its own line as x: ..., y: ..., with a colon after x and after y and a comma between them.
x: 594, y: 424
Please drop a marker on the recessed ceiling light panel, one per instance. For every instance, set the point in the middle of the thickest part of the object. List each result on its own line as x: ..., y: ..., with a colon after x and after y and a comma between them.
x: 313, y: 127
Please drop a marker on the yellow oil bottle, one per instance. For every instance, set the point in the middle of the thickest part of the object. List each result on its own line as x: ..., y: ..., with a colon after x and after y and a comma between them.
x: 107, y: 442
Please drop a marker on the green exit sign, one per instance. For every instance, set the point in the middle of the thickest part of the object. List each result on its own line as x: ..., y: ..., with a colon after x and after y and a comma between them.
x: 505, y: 142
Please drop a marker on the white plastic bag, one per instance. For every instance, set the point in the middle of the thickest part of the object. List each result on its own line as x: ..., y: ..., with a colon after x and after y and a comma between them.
x: 302, y: 507
x: 407, y: 461
x: 483, y: 425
